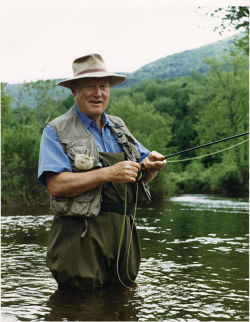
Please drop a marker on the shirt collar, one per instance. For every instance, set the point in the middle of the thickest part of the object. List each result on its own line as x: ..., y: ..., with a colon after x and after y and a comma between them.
x: 87, y: 121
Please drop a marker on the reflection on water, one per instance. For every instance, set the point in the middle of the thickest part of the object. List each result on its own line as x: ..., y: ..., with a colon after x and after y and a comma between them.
x: 106, y: 304
x: 194, y: 267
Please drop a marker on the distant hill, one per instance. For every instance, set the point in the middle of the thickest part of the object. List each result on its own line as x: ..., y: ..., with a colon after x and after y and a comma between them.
x: 176, y: 65
x: 28, y: 99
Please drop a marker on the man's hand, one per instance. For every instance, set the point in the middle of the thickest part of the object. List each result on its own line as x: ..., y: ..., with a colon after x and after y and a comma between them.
x: 125, y: 171
x: 153, y: 163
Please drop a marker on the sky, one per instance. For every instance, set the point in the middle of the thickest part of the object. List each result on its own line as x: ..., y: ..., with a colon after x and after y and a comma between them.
x: 40, y: 38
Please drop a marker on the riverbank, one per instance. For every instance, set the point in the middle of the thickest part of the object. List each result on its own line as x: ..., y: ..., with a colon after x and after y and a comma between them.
x: 14, y: 203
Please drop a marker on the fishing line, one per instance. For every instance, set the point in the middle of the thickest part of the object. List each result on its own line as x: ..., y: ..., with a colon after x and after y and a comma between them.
x: 206, y: 144
x: 133, y: 224
x: 206, y: 155
x: 121, y: 238
x: 131, y: 234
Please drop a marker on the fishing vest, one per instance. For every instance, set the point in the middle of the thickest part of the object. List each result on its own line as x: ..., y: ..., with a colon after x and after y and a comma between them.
x: 76, y: 139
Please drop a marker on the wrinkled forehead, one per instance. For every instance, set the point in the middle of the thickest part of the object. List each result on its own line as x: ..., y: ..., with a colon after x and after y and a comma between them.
x: 92, y: 80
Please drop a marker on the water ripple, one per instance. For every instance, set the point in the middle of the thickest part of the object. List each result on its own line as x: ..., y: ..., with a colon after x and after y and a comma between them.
x: 201, y: 202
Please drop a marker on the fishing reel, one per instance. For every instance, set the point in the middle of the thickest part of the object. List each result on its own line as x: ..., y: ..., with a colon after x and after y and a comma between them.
x: 141, y: 174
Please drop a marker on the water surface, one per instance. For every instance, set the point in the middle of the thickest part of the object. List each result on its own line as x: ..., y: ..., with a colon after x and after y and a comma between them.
x: 194, y: 266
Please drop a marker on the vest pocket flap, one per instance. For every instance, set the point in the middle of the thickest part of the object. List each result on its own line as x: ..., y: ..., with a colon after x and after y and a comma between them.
x: 79, y: 207
x: 82, y: 159
x: 72, y: 152
x: 79, y: 145
x: 87, y: 196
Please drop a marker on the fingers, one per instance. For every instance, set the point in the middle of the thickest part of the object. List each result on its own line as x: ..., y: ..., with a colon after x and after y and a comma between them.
x: 155, y: 156
x: 125, y: 171
x: 155, y: 161
x: 153, y: 165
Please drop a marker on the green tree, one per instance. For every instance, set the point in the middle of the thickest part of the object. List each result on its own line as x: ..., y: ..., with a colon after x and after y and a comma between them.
x: 21, y: 133
x: 47, y: 100
x: 236, y: 17
x: 20, y: 151
x: 5, y: 106
x: 222, y: 110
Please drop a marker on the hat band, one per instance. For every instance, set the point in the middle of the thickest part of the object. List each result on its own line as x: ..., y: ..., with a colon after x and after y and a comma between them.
x: 91, y: 71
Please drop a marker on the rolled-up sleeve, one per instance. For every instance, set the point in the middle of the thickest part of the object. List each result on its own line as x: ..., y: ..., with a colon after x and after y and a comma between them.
x: 52, y: 157
x: 143, y: 151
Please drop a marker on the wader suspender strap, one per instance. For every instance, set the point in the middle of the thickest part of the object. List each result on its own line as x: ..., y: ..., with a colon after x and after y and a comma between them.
x: 122, y: 139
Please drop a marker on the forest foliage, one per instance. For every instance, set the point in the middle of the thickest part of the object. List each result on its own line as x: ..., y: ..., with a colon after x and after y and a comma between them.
x: 167, y: 115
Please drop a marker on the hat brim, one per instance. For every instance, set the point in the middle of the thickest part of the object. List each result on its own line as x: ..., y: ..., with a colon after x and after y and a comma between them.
x: 114, y: 78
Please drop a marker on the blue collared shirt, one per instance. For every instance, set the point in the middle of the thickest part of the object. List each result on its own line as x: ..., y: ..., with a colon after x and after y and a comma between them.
x: 52, y: 157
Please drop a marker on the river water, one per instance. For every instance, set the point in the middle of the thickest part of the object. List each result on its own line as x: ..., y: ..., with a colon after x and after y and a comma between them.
x: 194, y: 267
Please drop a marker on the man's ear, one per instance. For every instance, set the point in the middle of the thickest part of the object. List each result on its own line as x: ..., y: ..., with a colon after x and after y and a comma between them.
x: 73, y: 89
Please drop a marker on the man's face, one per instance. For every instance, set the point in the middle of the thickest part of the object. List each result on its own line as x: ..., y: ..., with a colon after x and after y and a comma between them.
x: 92, y: 96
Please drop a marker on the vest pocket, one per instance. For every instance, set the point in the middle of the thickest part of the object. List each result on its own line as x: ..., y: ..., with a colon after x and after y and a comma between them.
x: 87, y: 204
x: 60, y: 204
x: 80, y: 205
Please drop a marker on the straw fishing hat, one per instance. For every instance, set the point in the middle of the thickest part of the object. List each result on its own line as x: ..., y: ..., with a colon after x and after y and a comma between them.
x: 91, y: 65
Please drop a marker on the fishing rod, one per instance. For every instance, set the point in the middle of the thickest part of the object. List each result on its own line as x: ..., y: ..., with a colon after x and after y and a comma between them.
x: 204, y: 145
x: 141, y: 173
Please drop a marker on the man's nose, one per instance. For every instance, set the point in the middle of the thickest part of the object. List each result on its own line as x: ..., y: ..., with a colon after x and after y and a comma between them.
x: 97, y: 91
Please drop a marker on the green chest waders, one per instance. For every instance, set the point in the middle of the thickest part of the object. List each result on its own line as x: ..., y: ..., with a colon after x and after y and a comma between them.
x: 82, y: 252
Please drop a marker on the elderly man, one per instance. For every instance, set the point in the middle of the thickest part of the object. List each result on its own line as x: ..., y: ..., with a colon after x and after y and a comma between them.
x: 92, y: 167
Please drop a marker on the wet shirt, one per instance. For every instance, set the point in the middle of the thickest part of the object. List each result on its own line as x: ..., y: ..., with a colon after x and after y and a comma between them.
x: 52, y: 157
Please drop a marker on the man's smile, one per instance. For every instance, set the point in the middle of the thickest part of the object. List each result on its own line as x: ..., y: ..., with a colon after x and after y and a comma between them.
x: 95, y: 102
